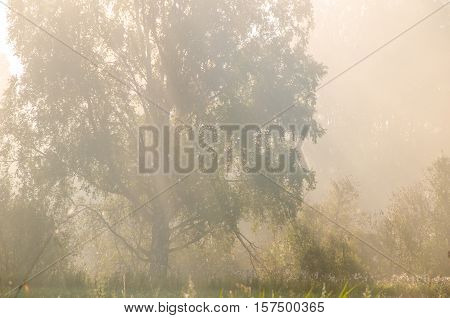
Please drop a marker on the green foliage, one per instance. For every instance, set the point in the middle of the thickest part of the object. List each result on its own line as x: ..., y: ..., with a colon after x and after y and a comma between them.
x: 416, y: 227
x: 346, y: 291
x: 71, y: 128
x: 25, y: 228
x: 314, y: 247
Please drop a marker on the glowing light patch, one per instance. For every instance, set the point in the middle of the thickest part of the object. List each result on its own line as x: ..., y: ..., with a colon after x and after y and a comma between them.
x: 15, y: 66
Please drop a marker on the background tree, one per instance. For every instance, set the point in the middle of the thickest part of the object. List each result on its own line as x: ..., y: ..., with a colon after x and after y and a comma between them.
x: 416, y: 225
x: 24, y: 229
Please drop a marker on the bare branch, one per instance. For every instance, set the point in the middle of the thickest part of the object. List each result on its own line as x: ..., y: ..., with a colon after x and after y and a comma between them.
x: 121, y: 238
x: 193, y: 241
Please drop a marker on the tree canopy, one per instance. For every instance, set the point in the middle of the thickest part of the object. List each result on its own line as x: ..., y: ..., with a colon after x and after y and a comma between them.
x: 70, y: 121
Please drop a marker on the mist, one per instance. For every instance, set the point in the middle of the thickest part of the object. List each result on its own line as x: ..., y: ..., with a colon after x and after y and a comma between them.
x: 387, y: 118
x: 367, y: 212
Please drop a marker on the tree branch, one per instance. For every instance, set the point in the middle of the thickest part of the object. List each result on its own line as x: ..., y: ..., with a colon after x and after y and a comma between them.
x: 121, y: 238
x: 193, y: 241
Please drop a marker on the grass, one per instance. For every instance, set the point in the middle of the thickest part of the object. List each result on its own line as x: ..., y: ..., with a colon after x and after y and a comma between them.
x: 394, y: 287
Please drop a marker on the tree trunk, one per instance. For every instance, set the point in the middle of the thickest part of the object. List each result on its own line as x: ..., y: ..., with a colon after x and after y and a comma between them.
x: 159, y: 253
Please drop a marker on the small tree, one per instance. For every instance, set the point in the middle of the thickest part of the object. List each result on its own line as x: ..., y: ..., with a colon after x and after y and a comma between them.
x: 416, y: 227
x: 315, y: 247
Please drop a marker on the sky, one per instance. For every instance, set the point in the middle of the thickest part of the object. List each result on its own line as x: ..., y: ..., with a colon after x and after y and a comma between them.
x: 6, y: 51
x: 387, y: 119
x: 4, y: 67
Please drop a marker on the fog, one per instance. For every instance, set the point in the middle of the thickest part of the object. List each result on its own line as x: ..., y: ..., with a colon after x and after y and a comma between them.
x: 70, y: 139
x: 386, y: 119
